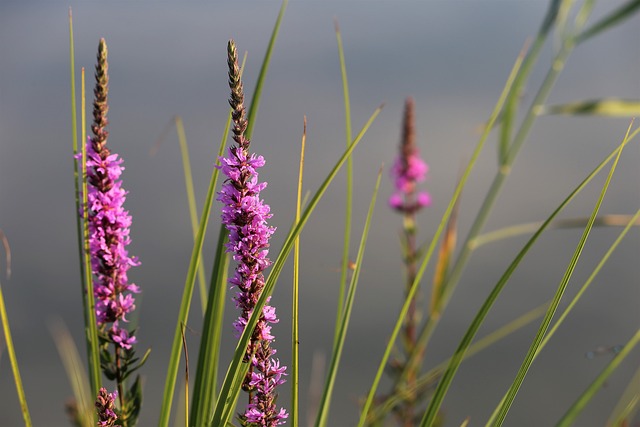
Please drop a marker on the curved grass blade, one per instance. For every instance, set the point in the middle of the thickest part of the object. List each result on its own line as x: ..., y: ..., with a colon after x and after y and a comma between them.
x: 75, y: 372
x: 257, y: 93
x: 596, y: 385
x: 526, y: 364
x: 623, y: 12
x: 447, y: 378
x: 13, y: 361
x: 191, y: 200
x: 612, y: 107
x: 295, y: 342
x: 344, y: 268
x: 236, y: 369
x: 429, y: 252
x: 325, y: 402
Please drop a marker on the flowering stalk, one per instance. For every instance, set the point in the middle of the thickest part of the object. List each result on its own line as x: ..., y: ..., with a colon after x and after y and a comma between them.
x: 245, y: 217
x: 105, y: 407
x: 407, y: 171
x: 108, y: 224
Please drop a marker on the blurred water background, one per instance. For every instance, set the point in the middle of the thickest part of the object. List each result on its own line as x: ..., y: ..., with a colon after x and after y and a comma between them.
x: 452, y: 57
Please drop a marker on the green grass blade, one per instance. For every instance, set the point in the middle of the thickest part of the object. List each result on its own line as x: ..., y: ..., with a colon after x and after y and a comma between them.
x: 627, y: 406
x: 75, y: 372
x: 325, y: 402
x: 441, y: 227
x: 431, y: 377
x: 14, y: 362
x: 623, y: 12
x: 176, y: 348
x: 206, y: 377
x: 631, y: 222
x: 295, y: 339
x: 257, y: 93
x: 191, y: 199
x: 447, y: 378
x: 531, y: 227
x: 597, y: 384
x: 233, y: 377
x: 598, y: 107
x: 528, y: 360
x: 344, y: 268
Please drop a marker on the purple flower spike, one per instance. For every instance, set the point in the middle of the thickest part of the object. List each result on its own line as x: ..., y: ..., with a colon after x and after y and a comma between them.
x: 245, y: 216
x: 108, y: 221
x: 409, y: 169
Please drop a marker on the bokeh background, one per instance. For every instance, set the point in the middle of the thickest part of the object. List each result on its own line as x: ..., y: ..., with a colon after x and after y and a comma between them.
x: 452, y: 57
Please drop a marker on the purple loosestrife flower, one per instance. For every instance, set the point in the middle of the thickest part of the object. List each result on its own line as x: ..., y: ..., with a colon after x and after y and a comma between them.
x: 108, y: 221
x: 105, y: 405
x: 245, y: 216
x: 409, y: 169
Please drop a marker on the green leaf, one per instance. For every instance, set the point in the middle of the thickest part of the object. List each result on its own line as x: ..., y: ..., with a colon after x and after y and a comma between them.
x: 598, y: 107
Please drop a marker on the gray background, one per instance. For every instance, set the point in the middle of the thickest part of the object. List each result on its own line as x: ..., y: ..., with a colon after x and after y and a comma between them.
x: 453, y: 57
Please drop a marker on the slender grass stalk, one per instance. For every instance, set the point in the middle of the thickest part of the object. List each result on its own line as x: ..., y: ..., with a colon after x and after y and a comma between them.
x: 575, y: 299
x: 575, y: 409
x: 348, y: 205
x: 13, y: 361
x: 237, y: 369
x: 528, y: 361
x: 440, y: 229
x: 323, y: 412
x: 191, y: 200
x: 295, y: 341
x: 95, y: 376
x: 86, y: 285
